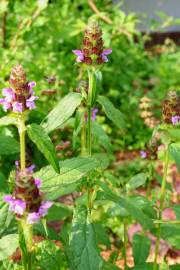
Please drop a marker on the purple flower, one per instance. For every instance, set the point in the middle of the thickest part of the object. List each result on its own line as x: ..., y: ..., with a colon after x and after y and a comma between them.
x: 44, y: 208
x: 8, y: 93
x: 17, y: 106
x: 31, y: 168
x: 17, y: 163
x: 30, y: 102
x: 79, y: 54
x: 38, y: 182
x: 104, y: 53
x: 6, y: 105
x: 31, y: 86
x: 175, y: 119
x: 143, y: 154
x: 8, y: 198
x: 33, y: 218
x: 94, y: 112
x: 17, y: 206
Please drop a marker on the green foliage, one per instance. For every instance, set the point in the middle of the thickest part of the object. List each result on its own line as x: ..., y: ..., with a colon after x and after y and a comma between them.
x: 141, y: 247
x: 174, y: 150
x: 38, y: 135
x: 83, y: 249
x: 8, y: 145
x: 71, y: 173
x: 111, y: 112
x: 137, y: 181
x: 62, y: 112
x: 8, y: 245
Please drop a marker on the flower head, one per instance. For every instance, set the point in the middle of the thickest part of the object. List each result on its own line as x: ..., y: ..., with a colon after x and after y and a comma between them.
x: 92, y: 52
x: 171, y: 108
x: 20, y: 96
x: 27, y: 200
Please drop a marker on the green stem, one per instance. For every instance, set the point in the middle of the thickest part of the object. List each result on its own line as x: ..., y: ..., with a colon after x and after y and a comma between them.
x: 125, y: 243
x: 162, y: 197
x: 83, y: 138
x: 26, y: 235
x: 22, y: 134
x: 89, y: 143
x: 151, y: 173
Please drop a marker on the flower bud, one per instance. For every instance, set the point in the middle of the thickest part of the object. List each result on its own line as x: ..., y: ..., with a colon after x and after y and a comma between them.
x: 171, y: 108
x: 92, y: 52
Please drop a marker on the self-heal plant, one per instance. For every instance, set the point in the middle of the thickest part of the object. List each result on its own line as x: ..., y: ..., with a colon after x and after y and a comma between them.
x: 171, y: 116
x: 27, y: 201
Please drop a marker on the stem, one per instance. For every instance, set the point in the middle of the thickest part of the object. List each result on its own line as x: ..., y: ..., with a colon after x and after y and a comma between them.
x: 22, y: 133
x: 151, y: 173
x: 89, y: 131
x: 83, y: 137
x: 125, y: 243
x: 89, y: 146
x: 162, y: 197
x: 26, y: 229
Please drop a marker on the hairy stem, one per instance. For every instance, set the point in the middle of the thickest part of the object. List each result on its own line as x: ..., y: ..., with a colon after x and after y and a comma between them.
x: 89, y: 146
x: 83, y: 137
x: 162, y: 197
x: 25, y: 229
x: 22, y: 134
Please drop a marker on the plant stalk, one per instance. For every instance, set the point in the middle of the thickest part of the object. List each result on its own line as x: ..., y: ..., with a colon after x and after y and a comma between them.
x: 162, y: 197
x: 25, y: 229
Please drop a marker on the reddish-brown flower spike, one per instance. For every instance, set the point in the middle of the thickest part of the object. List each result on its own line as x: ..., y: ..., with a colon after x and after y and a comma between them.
x: 92, y: 52
x: 20, y: 96
x: 171, y: 108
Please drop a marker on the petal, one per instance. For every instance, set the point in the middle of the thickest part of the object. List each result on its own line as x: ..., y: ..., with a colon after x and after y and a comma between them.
x: 78, y: 52
x: 104, y: 57
x: 107, y: 51
x: 38, y: 182
x: 8, y: 198
x: 33, y: 218
x: 31, y: 168
x: 17, y: 107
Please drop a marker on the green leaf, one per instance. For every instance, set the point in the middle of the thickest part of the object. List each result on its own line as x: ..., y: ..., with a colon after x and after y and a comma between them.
x: 137, y: 181
x: 3, y: 183
x: 101, y: 235
x: 141, y: 247
x: 62, y: 112
x: 128, y: 204
x: 171, y: 233
x: 58, y: 211
x: 38, y: 135
x: 71, y: 174
x: 50, y: 256
x: 101, y: 136
x: 177, y: 211
x: 174, y: 150
x: 8, y: 145
x: 174, y: 134
x: 8, y: 245
x: 8, y: 120
x: 111, y: 112
x: 83, y: 246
